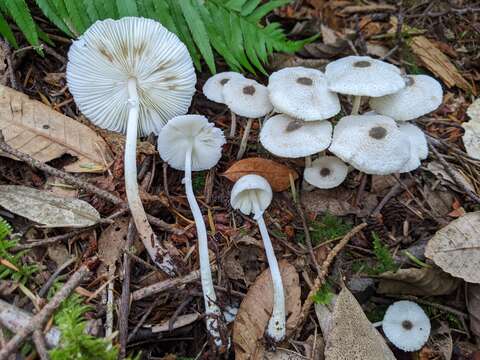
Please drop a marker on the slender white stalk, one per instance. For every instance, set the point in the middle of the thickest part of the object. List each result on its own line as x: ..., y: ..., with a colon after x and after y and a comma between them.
x: 212, y: 310
x: 357, y: 101
x: 233, y: 125
x: 377, y: 324
x: 243, y: 144
x: 308, y: 161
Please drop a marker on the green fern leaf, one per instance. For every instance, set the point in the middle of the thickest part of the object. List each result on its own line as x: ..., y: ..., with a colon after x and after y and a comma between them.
x: 266, y: 8
x: 20, y: 13
x: 6, y: 31
x: 62, y: 12
x: 50, y: 13
x: 162, y: 13
x: 91, y: 9
x: 5, y: 229
x: 249, y: 7
x: 127, y: 8
x: 78, y: 13
x: 235, y: 5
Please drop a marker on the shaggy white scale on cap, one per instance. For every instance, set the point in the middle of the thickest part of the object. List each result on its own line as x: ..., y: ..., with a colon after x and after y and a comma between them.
x: 371, y: 143
x: 326, y: 172
x: 246, y: 189
x: 421, y: 95
x: 213, y: 87
x: 112, y: 52
x: 284, y: 136
x: 418, y: 146
x: 247, y: 98
x: 191, y: 131
x: 303, y: 94
x: 363, y: 76
x: 406, y: 325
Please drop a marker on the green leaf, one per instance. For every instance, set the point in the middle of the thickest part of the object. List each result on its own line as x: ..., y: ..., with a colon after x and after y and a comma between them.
x: 20, y: 13
x: 78, y: 14
x: 162, y: 13
x: 127, y: 8
x: 6, y: 31
x: 49, y: 11
x: 249, y: 7
x: 91, y: 10
x: 236, y: 5
x: 266, y: 8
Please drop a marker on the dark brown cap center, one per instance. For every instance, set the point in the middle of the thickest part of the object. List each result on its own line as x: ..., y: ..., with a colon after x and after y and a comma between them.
x: 325, y: 172
x: 362, y: 64
x: 409, y: 81
x: 407, y: 324
x: 294, y: 125
x: 377, y: 132
x: 249, y: 90
x: 305, y: 81
x: 224, y: 81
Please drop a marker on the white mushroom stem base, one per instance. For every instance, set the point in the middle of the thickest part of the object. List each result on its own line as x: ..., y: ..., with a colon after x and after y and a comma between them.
x: 212, y: 310
x: 233, y: 125
x: 244, y: 142
x: 357, y: 101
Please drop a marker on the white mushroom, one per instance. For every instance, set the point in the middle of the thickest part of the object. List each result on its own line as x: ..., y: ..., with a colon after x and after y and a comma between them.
x: 406, y: 325
x: 302, y: 93
x: 326, y: 172
x: 191, y: 143
x: 247, y: 98
x: 421, y: 95
x: 418, y: 146
x: 371, y: 143
x: 131, y: 76
x: 253, y: 194
x: 363, y: 76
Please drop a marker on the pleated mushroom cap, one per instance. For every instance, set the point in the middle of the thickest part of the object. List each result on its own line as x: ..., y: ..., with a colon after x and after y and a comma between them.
x: 421, y: 95
x: 183, y: 132
x: 284, y: 136
x: 418, y: 146
x: 248, y: 98
x: 247, y: 189
x: 326, y: 172
x: 363, y: 76
x: 371, y: 143
x: 110, y: 52
x: 213, y: 87
x: 303, y: 94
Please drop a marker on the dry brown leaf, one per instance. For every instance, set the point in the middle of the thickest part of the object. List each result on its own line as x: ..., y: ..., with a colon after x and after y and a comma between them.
x: 456, y: 247
x: 180, y: 321
x: 276, y: 174
x: 112, y: 241
x: 116, y: 142
x: 255, y: 309
x: 440, y: 343
x: 439, y: 171
x: 473, y: 306
x: 45, y: 134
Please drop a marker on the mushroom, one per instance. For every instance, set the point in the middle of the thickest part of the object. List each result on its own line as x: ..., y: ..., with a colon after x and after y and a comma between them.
x: 418, y: 146
x: 421, y: 95
x: 190, y: 143
x: 247, y: 98
x: 253, y: 194
x: 363, y: 76
x: 131, y: 76
x: 302, y: 93
x: 213, y: 90
x: 406, y: 325
x: 326, y: 172
x: 371, y: 143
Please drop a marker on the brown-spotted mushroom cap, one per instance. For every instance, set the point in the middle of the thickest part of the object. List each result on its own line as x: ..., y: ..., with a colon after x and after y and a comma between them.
x: 111, y: 52
x: 418, y: 146
x: 247, y: 98
x: 421, y: 95
x: 303, y: 94
x: 326, y: 172
x: 213, y: 87
x: 284, y: 136
x: 371, y: 143
x: 363, y: 76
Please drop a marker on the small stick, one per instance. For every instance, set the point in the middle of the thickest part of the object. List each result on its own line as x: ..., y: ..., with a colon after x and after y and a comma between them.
x: 244, y: 142
x: 308, y: 239
x: 44, y: 289
x: 40, y: 345
x: 233, y: 125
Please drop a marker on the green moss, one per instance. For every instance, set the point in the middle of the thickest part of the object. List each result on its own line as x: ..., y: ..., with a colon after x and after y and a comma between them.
x: 198, y: 181
x: 323, y: 296
x: 327, y: 228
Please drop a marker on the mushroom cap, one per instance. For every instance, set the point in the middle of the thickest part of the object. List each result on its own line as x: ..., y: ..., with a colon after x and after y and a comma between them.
x: 406, y: 325
x: 326, y: 172
x: 303, y: 94
x: 183, y: 132
x: 247, y: 98
x: 291, y: 138
x: 244, y: 192
x: 421, y: 95
x: 473, y: 110
x: 213, y: 87
x: 371, y: 143
x: 363, y: 76
x: 111, y: 52
x: 418, y: 146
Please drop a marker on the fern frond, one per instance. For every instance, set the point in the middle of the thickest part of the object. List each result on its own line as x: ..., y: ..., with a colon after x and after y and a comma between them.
x: 7, y: 32
x: 20, y: 13
x: 49, y: 11
x: 5, y: 229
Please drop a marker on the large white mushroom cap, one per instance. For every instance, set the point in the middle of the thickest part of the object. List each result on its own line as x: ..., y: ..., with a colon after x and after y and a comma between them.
x: 303, y: 94
x: 183, y: 132
x: 371, y: 143
x: 421, y: 95
x: 406, y: 325
x: 248, y: 98
x: 213, y: 87
x: 326, y: 172
x: 287, y: 137
x: 363, y: 76
x: 111, y: 52
x: 247, y: 190
x: 418, y: 146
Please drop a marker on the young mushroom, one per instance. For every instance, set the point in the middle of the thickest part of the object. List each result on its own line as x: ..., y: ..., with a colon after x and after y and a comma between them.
x: 418, y: 146
x: 326, y: 172
x: 363, y: 76
x: 131, y: 76
x: 253, y: 194
x: 247, y: 98
x: 190, y: 143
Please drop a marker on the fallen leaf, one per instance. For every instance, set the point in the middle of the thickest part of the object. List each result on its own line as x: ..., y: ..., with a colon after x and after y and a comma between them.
x: 456, y: 247
x: 45, y: 134
x: 276, y: 174
x: 47, y: 209
x: 255, y: 309
x: 58, y: 253
x: 112, y: 241
x: 440, y: 343
x: 283, y: 354
x: 439, y: 201
x: 473, y: 306
x: 371, y: 8
x: 438, y: 170
x: 180, y: 321
x: 242, y: 263
x: 116, y: 142
x: 471, y: 138
x: 474, y: 110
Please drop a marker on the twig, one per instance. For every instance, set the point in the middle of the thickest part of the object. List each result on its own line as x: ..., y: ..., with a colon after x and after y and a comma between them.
x: 143, y: 319
x: 40, y: 345
x: 44, y: 289
x: 52, y: 240
x: 308, y: 239
x: 394, y: 191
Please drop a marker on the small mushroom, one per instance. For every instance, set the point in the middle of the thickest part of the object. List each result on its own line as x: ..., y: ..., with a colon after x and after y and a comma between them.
x: 302, y: 93
x: 191, y: 143
x: 326, y: 172
x: 406, y: 325
x: 132, y: 76
x: 418, y: 146
x: 247, y: 98
x: 371, y: 143
x: 253, y: 194
x: 363, y: 76
x: 421, y: 95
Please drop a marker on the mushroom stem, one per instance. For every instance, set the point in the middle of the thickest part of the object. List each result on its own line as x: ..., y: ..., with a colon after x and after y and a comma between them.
x: 211, y: 308
x: 276, y: 324
x: 308, y: 161
x: 357, y: 101
x: 233, y: 125
x: 243, y: 143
